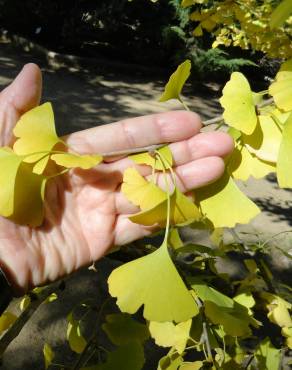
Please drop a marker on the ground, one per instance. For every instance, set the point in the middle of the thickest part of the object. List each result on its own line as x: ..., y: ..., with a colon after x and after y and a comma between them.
x: 84, y: 98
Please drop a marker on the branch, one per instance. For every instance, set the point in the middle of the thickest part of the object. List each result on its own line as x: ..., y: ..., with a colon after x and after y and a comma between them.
x: 36, y: 301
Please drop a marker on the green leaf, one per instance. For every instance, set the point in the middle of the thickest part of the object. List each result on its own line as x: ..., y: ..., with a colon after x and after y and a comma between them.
x: 237, y: 207
x: 29, y: 193
x: 36, y: 133
x: 268, y: 357
x: 141, y: 192
x: 48, y: 355
x: 281, y: 89
x: 207, y: 293
x: 70, y: 160
x: 197, y: 365
x: 152, y: 281
x: 151, y: 160
x: 76, y: 340
x: 122, y: 329
x: 284, y: 163
x: 6, y: 320
x: 238, y: 104
x: 167, y: 334
x: 281, y: 13
x: 182, y: 211
x: 129, y: 356
x: 278, y: 310
x: 176, y: 82
x: 170, y: 362
x: 9, y: 166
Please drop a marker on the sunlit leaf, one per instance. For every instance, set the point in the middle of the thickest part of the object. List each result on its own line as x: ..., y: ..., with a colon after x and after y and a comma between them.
x: 29, y: 193
x: 242, y: 164
x: 152, y: 281
x: 237, y: 207
x: 207, y: 293
x: 237, y: 101
x: 265, y: 140
x: 284, y: 163
x: 151, y: 160
x: 278, y: 310
x: 281, y: 13
x: 167, y: 334
x: 40, y: 166
x: 48, y: 355
x: 122, y: 329
x: 197, y: 365
x: 170, y: 362
x: 6, y: 320
x: 76, y: 340
x: 182, y: 212
x: 9, y: 166
x: 281, y: 89
x: 141, y: 192
x: 176, y: 82
x: 268, y: 357
x: 36, y: 133
x: 174, y: 239
x: 70, y: 160
x: 287, y: 333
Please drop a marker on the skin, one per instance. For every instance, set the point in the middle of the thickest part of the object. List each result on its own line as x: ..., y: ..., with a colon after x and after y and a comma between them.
x: 85, y: 212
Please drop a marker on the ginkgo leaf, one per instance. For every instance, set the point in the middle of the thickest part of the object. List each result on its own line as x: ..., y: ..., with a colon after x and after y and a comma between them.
x: 287, y: 332
x: 281, y: 89
x: 41, y: 165
x: 265, y: 140
x: 122, y: 329
x: 29, y: 194
x: 6, y: 320
x: 36, y: 133
x: 9, y: 166
x: 176, y: 82
x: 284, y: 163
x: 268, y: 357
x: 242, y: 164
x: 70, y: 160
x: 141, y: 192
x: 235, y: 322
x: 129, y: 356
x: 281, y: 13
x: 278, y: 310
x: 206, y: 293
x: 182, y: 212
x: 167, y: 334
x: 76, y: 340
x: 48, y: 355
x: 151, y: 160
x: 152, y: 281
x: 237, y: 207
x: 170, y: 362
x: 197, y: 365
x: 237, y: 101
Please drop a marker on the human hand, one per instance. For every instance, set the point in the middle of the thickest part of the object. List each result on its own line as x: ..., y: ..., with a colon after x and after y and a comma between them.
x: 85, y: 212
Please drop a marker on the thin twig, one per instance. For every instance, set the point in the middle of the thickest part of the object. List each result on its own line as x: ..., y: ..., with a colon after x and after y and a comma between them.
x: 205, y: 336
x: 36, y: 301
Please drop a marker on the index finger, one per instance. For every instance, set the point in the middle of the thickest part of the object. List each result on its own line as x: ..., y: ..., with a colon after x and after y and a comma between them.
x: 136, y: 132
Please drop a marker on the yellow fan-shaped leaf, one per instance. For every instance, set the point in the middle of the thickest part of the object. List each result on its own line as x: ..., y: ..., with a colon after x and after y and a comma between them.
x: 152, y: 281
x: 242, y: 164
x: 238, y: 104
x: 146, y: 158
x: 265, y: 140
x: 29, y: 194
x: 140, y: 192
x: 36, y: 133
x: 9, y: 166
x: 278, y: 310
x: 176, y: 82
x: 41, y: 165
x: 69, y: 160
x: 48, y: 355
x: 75, y: 338
x: 237, y: 207
x: 281, y: 89
x: 167, y: 334
x: 281, y: 13
x: 284, y: 163
x: 182, y: 212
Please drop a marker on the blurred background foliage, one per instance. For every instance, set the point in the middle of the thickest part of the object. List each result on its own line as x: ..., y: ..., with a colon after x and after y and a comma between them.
x: 140, y: 32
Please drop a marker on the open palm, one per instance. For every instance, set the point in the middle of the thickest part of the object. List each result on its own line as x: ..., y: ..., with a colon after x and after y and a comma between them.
x: 85, y: 212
